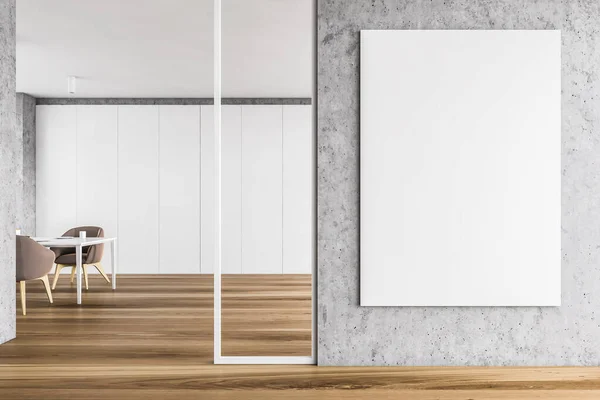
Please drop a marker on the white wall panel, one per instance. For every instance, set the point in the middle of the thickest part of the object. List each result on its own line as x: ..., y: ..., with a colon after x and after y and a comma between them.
x: 138, y: 189
x: 179, y: 165
x: 262, y: 189
x: 298, y: 190
x: 97, y: 171
x: 146, y: 174
x: 56, y: 175
x: 231, y: 131
x: 207, y: 201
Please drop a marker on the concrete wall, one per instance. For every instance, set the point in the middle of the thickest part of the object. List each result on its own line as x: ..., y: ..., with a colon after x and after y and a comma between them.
x: 25, y: 159
x: 351, y: 335
x: 7, y: 169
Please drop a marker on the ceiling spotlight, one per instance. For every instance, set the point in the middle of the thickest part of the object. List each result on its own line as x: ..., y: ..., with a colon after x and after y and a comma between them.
x: 71, y: 80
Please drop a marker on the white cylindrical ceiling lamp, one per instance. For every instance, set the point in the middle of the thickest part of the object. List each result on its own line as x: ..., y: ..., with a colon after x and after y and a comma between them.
x: 71, y: 84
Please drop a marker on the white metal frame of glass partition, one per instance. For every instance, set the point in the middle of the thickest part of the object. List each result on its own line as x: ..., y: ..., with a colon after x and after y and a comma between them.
x: 218, y: 358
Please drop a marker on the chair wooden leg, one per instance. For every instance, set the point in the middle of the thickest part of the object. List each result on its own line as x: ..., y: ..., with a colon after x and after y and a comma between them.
x: 85, y: 275
x: 23, y: 297
x: 73, y: 270
x: 56, y: 275
x: 44, y: 279
x: 100, y: 269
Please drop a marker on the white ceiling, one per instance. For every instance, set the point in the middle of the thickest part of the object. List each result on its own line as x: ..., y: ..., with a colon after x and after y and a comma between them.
x: 163, y: 48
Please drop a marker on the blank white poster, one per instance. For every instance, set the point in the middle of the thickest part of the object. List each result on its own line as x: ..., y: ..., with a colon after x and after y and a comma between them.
x: 460, y: 168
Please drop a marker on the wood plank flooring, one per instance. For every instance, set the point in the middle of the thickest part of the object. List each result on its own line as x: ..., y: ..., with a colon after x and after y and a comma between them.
x: 152, y: 339
x: 266, y: 315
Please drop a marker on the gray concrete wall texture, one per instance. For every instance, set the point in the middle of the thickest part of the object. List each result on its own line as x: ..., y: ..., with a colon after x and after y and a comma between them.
x: 353, y: 335
x: 25, y: 159
x: 8, y: 170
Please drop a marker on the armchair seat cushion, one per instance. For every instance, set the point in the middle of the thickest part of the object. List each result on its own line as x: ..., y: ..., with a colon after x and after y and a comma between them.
x: 69, y: 259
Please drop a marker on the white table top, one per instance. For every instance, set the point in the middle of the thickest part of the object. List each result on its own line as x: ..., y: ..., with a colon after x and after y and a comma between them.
x: 72, y: 241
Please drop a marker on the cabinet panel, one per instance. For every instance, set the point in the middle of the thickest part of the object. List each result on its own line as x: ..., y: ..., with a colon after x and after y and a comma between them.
x: 138, y: 189
x: 146, y: 174
x: 231, y: 117
x: 207, y: 190
x: 298, y: 190
x: 262, y: 189
x: 231, y: 189
x: 179, y: 165
x: 97, y: 171
x: 56, y: 175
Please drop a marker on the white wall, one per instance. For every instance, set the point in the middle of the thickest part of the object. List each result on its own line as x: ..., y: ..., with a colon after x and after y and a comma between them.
x: 207, y: 202
x: 297, y: 182
x: 56, y: 175
x: 267, y: 189
x: 262, y: 189
x: 138, y: 189
x: 179, y: 182
x: 96, y: 199
x: 231, y: 181
x: 145, y: 174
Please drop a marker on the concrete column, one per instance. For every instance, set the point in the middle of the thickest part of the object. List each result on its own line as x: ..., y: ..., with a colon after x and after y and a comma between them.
x: 25, y: 153
x: 8, y: 169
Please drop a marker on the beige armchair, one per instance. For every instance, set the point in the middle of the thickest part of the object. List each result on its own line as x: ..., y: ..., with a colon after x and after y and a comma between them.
x: 92, y: 255
x: 34, y: 262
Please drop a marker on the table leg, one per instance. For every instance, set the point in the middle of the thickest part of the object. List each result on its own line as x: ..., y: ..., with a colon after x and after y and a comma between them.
x: 113, y: 254
x: 78, y: 266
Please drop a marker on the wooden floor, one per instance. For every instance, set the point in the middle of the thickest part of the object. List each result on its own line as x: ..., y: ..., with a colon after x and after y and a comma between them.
x: 152, y: 339
x: 266, y: 315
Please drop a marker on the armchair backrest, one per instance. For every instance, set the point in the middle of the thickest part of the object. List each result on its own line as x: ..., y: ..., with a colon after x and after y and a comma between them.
x: 94, y: 253
x: 33, y: 260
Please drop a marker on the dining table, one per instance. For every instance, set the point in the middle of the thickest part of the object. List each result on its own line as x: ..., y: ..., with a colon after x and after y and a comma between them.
x: 78, y: 243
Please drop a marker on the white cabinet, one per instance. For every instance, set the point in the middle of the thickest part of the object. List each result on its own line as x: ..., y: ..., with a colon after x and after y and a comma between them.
x: 179, y: 180
x: 207, y: 193
x: 97, y: 171
x: 298, y: 190
x: 138, y: 189
x: 56, y: 158
x: 231, y: 200
x: 262, y: 189
x: 145, y: 174
x: 231, y: 190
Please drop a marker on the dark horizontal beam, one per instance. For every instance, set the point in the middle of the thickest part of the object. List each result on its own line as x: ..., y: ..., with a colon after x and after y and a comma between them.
x: 173, y: 101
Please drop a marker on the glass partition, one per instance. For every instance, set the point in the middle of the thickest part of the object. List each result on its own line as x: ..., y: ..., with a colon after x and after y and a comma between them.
x: 267, y: 169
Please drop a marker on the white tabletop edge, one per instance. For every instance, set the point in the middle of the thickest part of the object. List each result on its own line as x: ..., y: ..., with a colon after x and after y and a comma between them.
x: 72, y: 242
